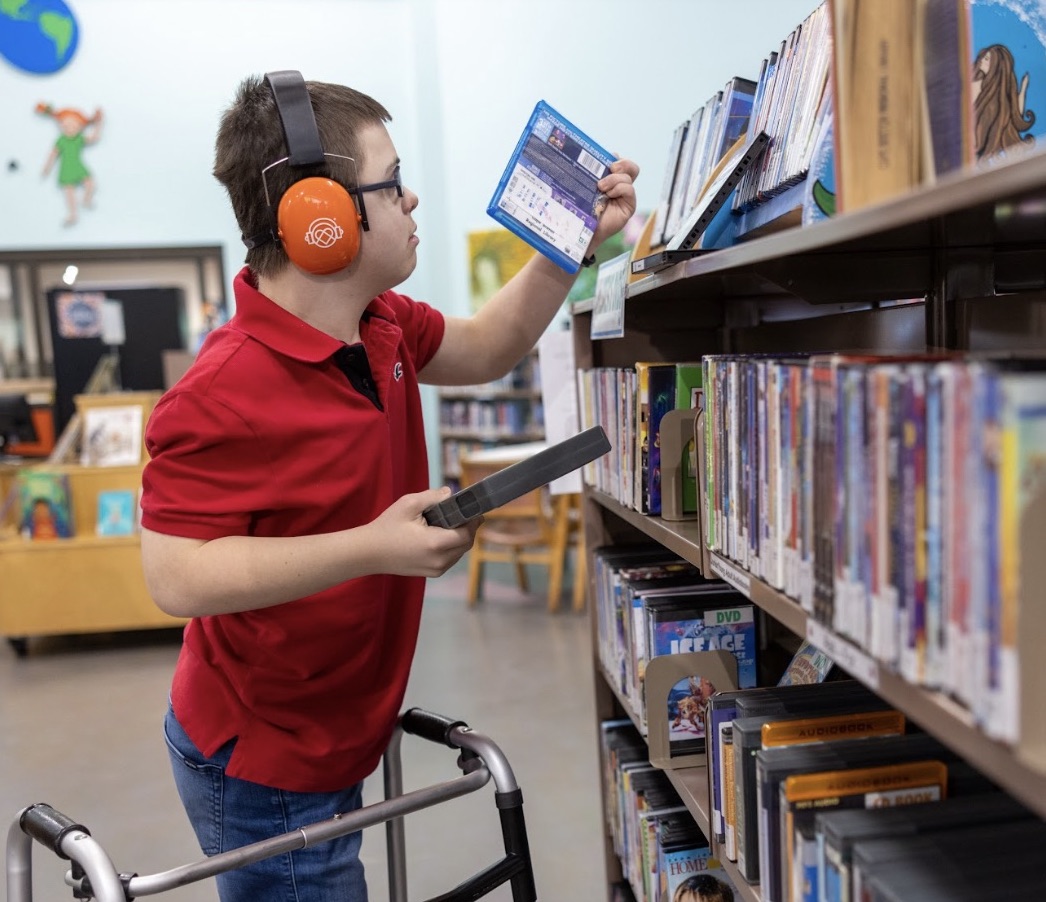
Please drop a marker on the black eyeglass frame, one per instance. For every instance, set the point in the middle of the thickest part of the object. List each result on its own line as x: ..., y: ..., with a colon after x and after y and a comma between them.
x: 357, y: 192
x: 395, y: 182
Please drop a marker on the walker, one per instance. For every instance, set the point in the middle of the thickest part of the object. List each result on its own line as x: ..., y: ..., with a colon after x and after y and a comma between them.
x: 93, y: 874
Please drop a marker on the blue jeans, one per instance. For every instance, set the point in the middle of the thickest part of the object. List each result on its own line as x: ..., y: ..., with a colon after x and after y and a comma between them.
x: 227, y: 813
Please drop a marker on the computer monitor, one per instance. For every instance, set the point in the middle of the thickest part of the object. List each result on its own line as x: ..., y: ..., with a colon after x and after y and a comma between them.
x: 16, y: 421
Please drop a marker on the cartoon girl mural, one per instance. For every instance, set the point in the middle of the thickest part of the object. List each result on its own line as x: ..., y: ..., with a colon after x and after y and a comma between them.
x: 77, y: 131
x: 1000, y: 119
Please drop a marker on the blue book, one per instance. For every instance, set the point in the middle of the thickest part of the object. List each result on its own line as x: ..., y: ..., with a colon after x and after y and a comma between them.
x: 116, y: 513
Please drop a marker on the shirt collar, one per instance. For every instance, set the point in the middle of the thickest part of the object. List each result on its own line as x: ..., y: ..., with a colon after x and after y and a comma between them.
x: 267, y: 322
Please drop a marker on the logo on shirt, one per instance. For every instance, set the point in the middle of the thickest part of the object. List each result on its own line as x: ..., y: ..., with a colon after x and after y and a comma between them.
x: 397, y: 371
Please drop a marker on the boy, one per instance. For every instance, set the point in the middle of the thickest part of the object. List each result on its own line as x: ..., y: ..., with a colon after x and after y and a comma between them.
x: 282, y: 505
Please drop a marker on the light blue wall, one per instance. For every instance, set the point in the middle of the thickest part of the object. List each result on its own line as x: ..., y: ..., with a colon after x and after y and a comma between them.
x: 460, y: 78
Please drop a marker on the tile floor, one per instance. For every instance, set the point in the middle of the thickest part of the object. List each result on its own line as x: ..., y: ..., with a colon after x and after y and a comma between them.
x: 80, y: 729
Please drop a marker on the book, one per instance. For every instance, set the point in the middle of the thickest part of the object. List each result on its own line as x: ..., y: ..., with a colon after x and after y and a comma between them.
x: 877, y: 157
x: 774, y: 765
x: 838, y: 831
x: 946, y: 55
x: 689, y: 396
x: 112, y: 436
x: 800, y: 700
x: 117, y: 512
x: 769, y: 731
x: 686, y: 866
x: 721, y: 185
x: 45, y: 508
x: 968, y: 863
x: 696, y: 624
x: 655, y: 395
x: 662, y: 399
x: 803, y: 795
x: 547, y: 194
x: 668, y: 185
x: 1009, y: 75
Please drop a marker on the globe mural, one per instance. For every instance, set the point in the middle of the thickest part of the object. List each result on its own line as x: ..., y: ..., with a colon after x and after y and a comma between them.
x: 37, y: 36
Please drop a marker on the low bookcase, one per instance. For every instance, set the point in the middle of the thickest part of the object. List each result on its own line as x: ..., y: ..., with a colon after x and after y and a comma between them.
x: 87, y: 583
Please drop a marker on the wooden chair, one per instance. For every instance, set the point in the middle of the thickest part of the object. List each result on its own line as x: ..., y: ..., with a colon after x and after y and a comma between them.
x: 533, y: 529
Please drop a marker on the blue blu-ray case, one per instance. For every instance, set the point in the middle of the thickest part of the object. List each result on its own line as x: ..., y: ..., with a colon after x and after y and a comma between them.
x: 547, y: 194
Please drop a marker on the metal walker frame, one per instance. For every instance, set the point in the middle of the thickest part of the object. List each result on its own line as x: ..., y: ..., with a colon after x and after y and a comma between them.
x: 93, y: 874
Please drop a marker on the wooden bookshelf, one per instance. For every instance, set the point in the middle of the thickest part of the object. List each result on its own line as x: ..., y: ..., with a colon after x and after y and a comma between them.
x: 86, y: 583
x: 901, y: 274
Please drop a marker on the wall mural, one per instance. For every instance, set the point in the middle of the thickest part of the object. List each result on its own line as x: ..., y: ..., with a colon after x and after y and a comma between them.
x: 77, y: 131
x: 37, y: 36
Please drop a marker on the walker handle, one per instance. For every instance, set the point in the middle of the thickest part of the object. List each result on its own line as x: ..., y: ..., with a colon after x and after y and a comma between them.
x: 49, y: 826
x: 433, y: 727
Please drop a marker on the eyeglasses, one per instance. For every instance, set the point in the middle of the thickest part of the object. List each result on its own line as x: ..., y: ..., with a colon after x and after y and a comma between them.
x: 358, y: 192
x: 395, y: 182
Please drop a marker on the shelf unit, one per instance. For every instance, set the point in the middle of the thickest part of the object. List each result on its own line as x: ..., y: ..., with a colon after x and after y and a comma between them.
x: 927, y: 270
x: 474, y: 417
x: 86, y: 583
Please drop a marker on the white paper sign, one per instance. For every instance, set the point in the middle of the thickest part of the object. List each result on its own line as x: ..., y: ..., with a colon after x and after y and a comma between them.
x: 608, y: 309
x: 559, y: 398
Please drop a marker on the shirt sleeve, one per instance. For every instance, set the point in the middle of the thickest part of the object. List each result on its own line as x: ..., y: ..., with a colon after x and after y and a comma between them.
x: 207, y: 469
x: 423, y: 326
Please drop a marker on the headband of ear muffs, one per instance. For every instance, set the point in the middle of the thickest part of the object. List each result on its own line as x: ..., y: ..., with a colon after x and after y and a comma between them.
x: 316, y: 219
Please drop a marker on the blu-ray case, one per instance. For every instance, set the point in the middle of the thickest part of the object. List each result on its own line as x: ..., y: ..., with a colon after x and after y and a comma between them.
x: 547, y: 194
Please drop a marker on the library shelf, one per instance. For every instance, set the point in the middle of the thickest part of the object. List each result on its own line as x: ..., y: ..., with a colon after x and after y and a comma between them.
x: 934, y: 711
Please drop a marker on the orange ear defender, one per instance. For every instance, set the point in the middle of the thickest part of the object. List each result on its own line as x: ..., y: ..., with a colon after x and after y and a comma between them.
x: 316, y: 219
x: 318, y: 224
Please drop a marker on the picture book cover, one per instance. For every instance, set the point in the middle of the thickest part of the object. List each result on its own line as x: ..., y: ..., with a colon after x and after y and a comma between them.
x: 46, y: 512
x: 117, y: 513
x: 1009, y: 77
x: 112, y: 436
x: 547, y: 194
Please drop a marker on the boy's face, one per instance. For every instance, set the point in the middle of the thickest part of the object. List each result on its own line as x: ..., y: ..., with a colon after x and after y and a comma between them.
x: 388, y: 250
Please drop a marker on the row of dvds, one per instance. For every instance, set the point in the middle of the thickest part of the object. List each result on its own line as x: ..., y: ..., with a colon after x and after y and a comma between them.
x: 663, y: 854
x: 789, y: 101
x: 790, y: 767
x: 792, y: 103
x: 886, y: 495
x: 697, y: 145
x: 630, y: 404
x: 650, y: 603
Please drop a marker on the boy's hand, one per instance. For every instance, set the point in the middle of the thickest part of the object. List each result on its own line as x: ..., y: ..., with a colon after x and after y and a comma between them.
x: 408, y: 546
x: 620, y: 199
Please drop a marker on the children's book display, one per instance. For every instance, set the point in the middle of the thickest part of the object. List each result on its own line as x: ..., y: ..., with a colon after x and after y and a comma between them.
x: 547, y: 194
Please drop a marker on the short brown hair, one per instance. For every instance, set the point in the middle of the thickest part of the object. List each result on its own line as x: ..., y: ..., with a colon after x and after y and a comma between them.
x: 250, y: 137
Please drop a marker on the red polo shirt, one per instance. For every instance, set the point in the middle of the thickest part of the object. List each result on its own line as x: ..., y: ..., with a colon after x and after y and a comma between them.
x: 266, y: 436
